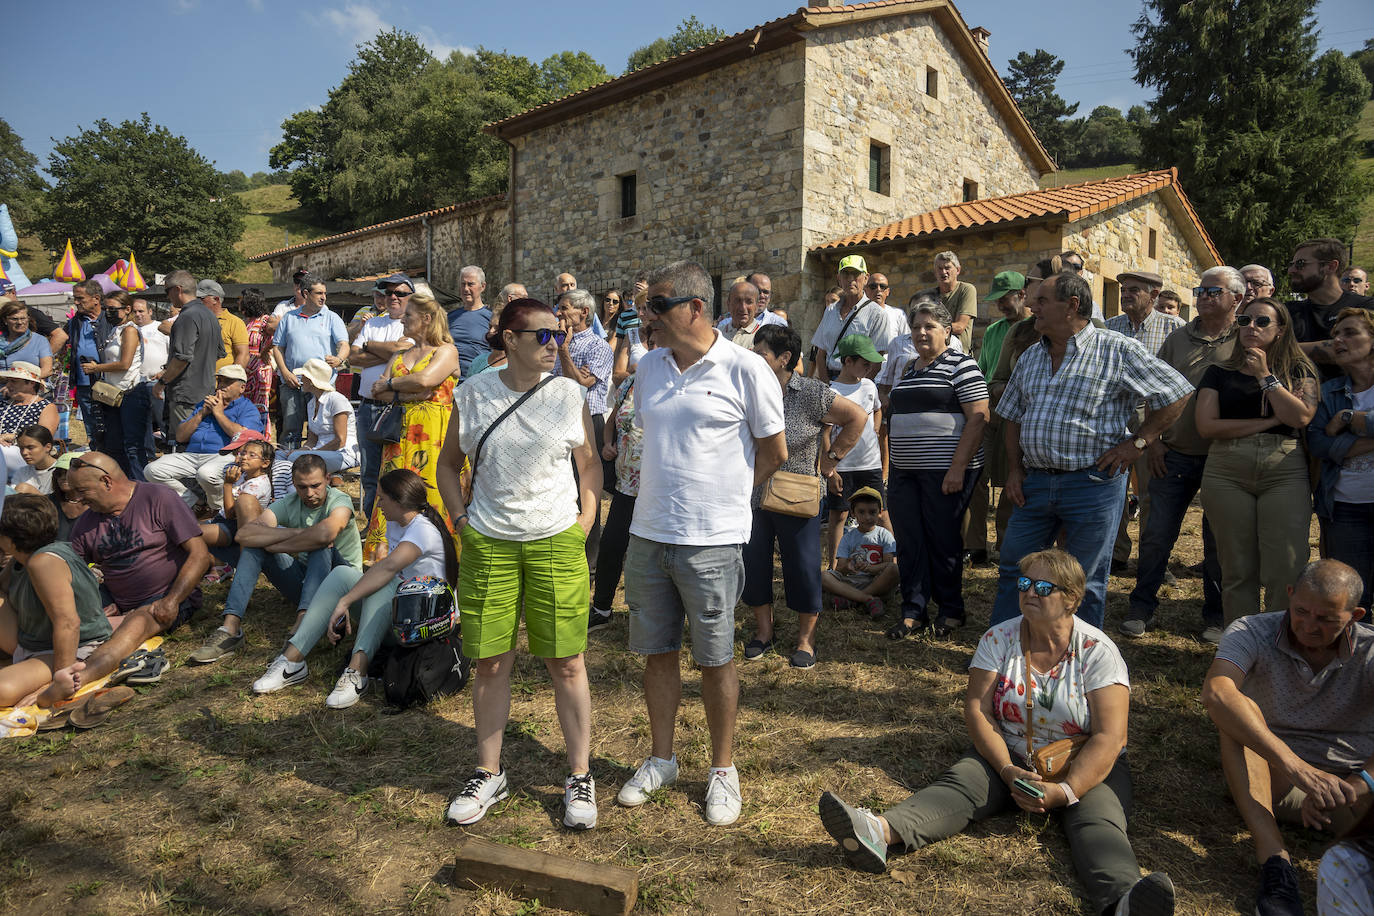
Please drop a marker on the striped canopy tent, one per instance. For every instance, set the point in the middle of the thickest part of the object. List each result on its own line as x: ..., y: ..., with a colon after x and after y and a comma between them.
x: 69, y: 269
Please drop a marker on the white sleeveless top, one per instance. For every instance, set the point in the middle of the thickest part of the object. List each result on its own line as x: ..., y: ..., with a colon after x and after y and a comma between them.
x: 131, y: 376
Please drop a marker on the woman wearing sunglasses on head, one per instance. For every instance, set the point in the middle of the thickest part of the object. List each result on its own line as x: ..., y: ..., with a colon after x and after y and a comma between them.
x: 1255, y: 409
x: 1066, y: 678
x: 524, y: 535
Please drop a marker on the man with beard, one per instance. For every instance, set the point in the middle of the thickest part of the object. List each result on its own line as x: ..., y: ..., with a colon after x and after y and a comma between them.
x: 1315, y: 272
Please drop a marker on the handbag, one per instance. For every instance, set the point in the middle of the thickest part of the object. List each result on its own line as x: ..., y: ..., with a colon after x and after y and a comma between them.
x: 107, y: 394
x: 1051, y: 761
x: 386, y: 426
x: 789, y: 493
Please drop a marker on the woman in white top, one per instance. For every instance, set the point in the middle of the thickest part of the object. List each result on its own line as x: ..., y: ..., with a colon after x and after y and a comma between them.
x: 524, y: 535
x: 331, y: 425
x: 416, y: 545
x: 127, y: 424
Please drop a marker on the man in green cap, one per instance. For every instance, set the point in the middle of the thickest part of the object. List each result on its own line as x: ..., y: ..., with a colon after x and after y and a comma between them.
x: 1008, y: 295
x: 854, y: 313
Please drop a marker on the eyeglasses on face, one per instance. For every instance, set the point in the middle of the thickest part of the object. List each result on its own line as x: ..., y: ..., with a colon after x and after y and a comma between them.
x: 1043, y: 587
x: 543, y: 335
x: 1351, y: 281
x: 1256, y: 284
x: 1207, y: 292
x: 1070, y: 265
x: 397, y: 294
x: 1259, y: 321
x: 660, y: 304
x: 878, y: 286
x: 613, y: 300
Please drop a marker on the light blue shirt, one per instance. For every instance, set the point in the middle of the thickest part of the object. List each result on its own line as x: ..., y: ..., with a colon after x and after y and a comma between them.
x: 303, y: 337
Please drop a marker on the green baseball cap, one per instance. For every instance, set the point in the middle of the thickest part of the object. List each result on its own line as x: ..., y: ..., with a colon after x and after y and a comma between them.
x: 857, y: 345
x: 1008, y: 281
x: 854, y: 262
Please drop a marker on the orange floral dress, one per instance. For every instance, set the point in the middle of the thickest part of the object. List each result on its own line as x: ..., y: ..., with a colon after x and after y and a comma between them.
x: 422, y: 429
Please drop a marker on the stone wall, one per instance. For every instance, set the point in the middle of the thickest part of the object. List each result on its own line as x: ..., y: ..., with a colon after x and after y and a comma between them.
x: 469, y: 234
x: 718, y: 165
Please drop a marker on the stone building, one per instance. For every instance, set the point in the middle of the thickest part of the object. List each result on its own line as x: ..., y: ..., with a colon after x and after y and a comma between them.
x: 762, y: 151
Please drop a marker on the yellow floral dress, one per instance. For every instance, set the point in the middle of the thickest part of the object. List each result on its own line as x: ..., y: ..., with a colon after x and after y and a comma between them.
x: 422, y: 436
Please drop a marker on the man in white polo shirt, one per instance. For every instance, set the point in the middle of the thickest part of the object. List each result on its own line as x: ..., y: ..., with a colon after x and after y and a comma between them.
x: 713, y: 428
x: 379, y: 339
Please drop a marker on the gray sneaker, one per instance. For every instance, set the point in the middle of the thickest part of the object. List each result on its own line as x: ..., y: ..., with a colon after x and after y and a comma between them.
x: 857, y: 831
x: 1132, y: 627
x: 1212, y: 635
x: 217, y: 645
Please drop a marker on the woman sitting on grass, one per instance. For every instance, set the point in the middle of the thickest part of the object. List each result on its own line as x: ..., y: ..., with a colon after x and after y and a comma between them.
x: 1067, y: 679
x: 417, y: 544
x: 51, y: 614
x: 35, y: 445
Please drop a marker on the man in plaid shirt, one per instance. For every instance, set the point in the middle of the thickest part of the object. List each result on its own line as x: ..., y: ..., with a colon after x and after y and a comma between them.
x: 1069, y: 450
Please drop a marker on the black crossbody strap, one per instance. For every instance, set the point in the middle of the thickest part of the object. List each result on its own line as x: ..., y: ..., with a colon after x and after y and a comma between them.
x: 850, y: 320
x: 477, y: 452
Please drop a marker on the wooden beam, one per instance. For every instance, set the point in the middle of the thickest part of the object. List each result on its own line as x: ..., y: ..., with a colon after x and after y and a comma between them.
x: 556, y: 881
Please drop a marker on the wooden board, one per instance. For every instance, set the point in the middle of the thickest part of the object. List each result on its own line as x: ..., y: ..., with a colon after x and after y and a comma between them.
x: 557, y: 881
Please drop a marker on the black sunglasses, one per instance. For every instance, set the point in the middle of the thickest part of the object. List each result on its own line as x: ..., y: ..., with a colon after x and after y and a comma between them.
x: 1259, y: 321
x: 1208, y: 291
x: 543, y: 335
x: 78, y: 463
x: 1043, y: 587
x: 660, y: 304
x: 878, y: 286
x: 1069, y: 265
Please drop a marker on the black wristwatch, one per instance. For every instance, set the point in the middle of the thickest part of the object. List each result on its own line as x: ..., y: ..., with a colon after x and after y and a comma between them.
x: 1346, y: 416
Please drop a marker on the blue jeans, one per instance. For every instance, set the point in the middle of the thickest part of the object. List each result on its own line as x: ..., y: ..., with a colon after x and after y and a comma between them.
x: 1087, y: 504
x: 91, y: 417
x: 136, y: 422
x: 1170, y: 497
x: 371, y: 615
x: 334, y: 461
x: 296, y: 579
x: 1349, y: 537
x: 930, y: 541
x: 369, y: 453
x: 294, y: 404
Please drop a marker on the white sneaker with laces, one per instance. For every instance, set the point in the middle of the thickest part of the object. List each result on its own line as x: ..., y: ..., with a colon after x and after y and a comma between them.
x: 481, y: 790
x: 279, y: 674
x: 722, y: 796
x: 579, y: 802
x: 346, y: 692
x: 653, y: 774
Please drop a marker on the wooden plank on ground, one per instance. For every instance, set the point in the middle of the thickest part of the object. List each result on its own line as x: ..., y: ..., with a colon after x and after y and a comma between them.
x: 557, y: 881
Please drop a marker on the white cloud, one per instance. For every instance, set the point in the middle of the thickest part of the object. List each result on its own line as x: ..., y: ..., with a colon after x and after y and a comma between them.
x: 184, y: 6
x: 255, y: 5
x: 360, y: 23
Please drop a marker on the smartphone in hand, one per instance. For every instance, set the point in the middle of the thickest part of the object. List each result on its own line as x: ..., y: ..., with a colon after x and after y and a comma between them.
x: 1029, y: 788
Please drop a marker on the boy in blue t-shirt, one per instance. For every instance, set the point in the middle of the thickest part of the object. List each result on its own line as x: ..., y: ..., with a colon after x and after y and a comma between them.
x: 864, y: 564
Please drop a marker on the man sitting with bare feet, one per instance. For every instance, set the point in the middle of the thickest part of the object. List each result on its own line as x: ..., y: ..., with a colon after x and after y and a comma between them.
x: 1289, y: 692
x: 146, y: 543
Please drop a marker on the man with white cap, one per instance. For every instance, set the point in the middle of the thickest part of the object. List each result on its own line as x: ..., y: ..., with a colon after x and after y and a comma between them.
x: 379, y: 339
x: 211, y: 426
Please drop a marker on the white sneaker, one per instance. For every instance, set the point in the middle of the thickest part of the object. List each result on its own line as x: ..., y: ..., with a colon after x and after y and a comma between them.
x: 579, y: 802
x: 479, y: 792
x: 281, y: 674
x: 653, y: 773
x: 722, y: 796
x: 347, y: 691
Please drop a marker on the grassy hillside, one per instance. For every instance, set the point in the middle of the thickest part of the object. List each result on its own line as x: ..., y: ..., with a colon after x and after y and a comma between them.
x: 1073, y: 176
x: 1364, y: 235
x: 274, y: 220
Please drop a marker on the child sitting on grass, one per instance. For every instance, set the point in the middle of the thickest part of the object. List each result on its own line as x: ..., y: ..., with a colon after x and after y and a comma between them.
x: 864, y: 568
x: 249, y: 476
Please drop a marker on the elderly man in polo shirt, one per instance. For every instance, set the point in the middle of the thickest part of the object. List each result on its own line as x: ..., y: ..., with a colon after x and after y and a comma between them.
x: 378, y: 340
x: 309, y: 332
x: 713, y: 429
x: 1289, y: 692
x: 1069, y: 449
x: 744, y: 315
x: 854, y: 313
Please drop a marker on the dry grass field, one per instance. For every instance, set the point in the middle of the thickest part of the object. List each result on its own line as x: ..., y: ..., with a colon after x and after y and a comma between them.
x: 198, y: 797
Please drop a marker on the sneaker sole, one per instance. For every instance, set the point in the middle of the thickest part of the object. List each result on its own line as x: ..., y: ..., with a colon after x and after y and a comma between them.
x: 481, y: 813
x: 579, y: 826
x: 353, y: 701
x: 1150, y: 897
x: 840, y: 826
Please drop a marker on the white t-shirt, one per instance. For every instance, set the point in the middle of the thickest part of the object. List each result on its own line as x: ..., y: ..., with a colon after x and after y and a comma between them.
x: 259, y: 487
x: 381, y: 329
x: 871, y: 321
x: 39, y: 480
x: 524, y: 488
x: 422, y: 533
x: 154, y: 349
x: 320, y: 421
x: 700, y: 426
x: 284, y: 306
x: 902, y: 352
x: 1061, y: 695
x: 1355, y: 483
x: 864, y: 456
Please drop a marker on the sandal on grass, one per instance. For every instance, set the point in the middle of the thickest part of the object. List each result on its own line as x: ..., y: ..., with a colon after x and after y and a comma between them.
x: 150, y: 672
x: 902, y: 629
x: 128, y: 667
x: 99, y: 705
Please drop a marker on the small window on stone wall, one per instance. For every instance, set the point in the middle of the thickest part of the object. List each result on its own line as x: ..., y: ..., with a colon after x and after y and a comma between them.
x: 932, y: 82
x: 629, y: 195
x: 879, y: 167
x: 970, y: 190
x: 1153, y: 247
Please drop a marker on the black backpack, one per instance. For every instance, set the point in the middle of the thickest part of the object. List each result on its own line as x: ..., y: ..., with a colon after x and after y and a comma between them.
x: 414, y: 675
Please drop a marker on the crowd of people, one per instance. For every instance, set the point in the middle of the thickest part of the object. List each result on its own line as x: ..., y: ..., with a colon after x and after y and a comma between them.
x: 866, y: 461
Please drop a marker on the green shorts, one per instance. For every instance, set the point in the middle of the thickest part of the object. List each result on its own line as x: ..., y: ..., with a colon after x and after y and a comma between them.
x: 549, y: 576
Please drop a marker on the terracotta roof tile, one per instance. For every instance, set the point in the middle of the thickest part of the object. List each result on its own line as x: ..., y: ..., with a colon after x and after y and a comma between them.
x: 1070, y: 202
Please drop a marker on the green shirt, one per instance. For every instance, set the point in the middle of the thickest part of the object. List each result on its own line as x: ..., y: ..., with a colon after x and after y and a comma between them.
x: 290, y: 512
x: 35, y: 626
x: 991, y: 348
x: 962, y: 300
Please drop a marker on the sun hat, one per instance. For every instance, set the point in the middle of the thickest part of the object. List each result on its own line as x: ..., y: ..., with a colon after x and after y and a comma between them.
x: 26, y: 372
x: 319, y: 373
x: 233, y: 371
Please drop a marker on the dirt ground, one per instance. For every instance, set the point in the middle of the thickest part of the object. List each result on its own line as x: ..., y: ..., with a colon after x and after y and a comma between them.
x: 199, y: 797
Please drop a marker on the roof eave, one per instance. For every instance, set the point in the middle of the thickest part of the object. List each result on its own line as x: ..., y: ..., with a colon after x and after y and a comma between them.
x: 1021, y: 222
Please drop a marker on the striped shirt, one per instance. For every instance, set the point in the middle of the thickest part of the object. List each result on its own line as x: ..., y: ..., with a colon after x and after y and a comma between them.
x: 927, y: 412
x: 1071, y: 417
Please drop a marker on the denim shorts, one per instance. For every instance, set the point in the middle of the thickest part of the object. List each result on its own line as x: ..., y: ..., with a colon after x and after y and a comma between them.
x: 666, y: 584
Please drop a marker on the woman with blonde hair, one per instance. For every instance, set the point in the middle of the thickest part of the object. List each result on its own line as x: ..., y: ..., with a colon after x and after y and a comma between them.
x: 1255, y: 409
x: 421, y: 378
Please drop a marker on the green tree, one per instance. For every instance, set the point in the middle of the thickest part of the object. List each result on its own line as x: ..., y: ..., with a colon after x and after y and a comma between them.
x: 569, y: 71
x: 20, y: 183
x: 1030, y: 80
x: 1105, y: 137
x: 136, y: 186
x: 1364, y: 59
x: 690, y: 34
x: 235, y: 181
x: 1262, y: 131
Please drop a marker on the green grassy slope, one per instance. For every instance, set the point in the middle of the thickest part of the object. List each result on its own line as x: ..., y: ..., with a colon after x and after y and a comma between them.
x: 274, y: 220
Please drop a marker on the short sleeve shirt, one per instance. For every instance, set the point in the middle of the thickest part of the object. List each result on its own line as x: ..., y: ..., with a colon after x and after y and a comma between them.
x: 1060, y: 704
x: 209, y: 437
x: 422, y: 533
x: 320, y: 421
x: 196, y: 341
x: 302, y: 337
x: 1191, y: 352
x: 860, y: 545
x: 865, y: 455
x: 1325, y: 716
x: 380, y: 329
x: 139, y: 550
x: 1239, y: 397
x: 468, y: 328
x: 926, y: 412
x: 234, y: 333
x: 962, y: 300
x: 805, y: 402
x: 870, y: 319
x: 290, y: 512
x: 590, y: 353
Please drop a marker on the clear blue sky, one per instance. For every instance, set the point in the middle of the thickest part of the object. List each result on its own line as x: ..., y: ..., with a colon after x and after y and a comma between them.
x: 225, y: 73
